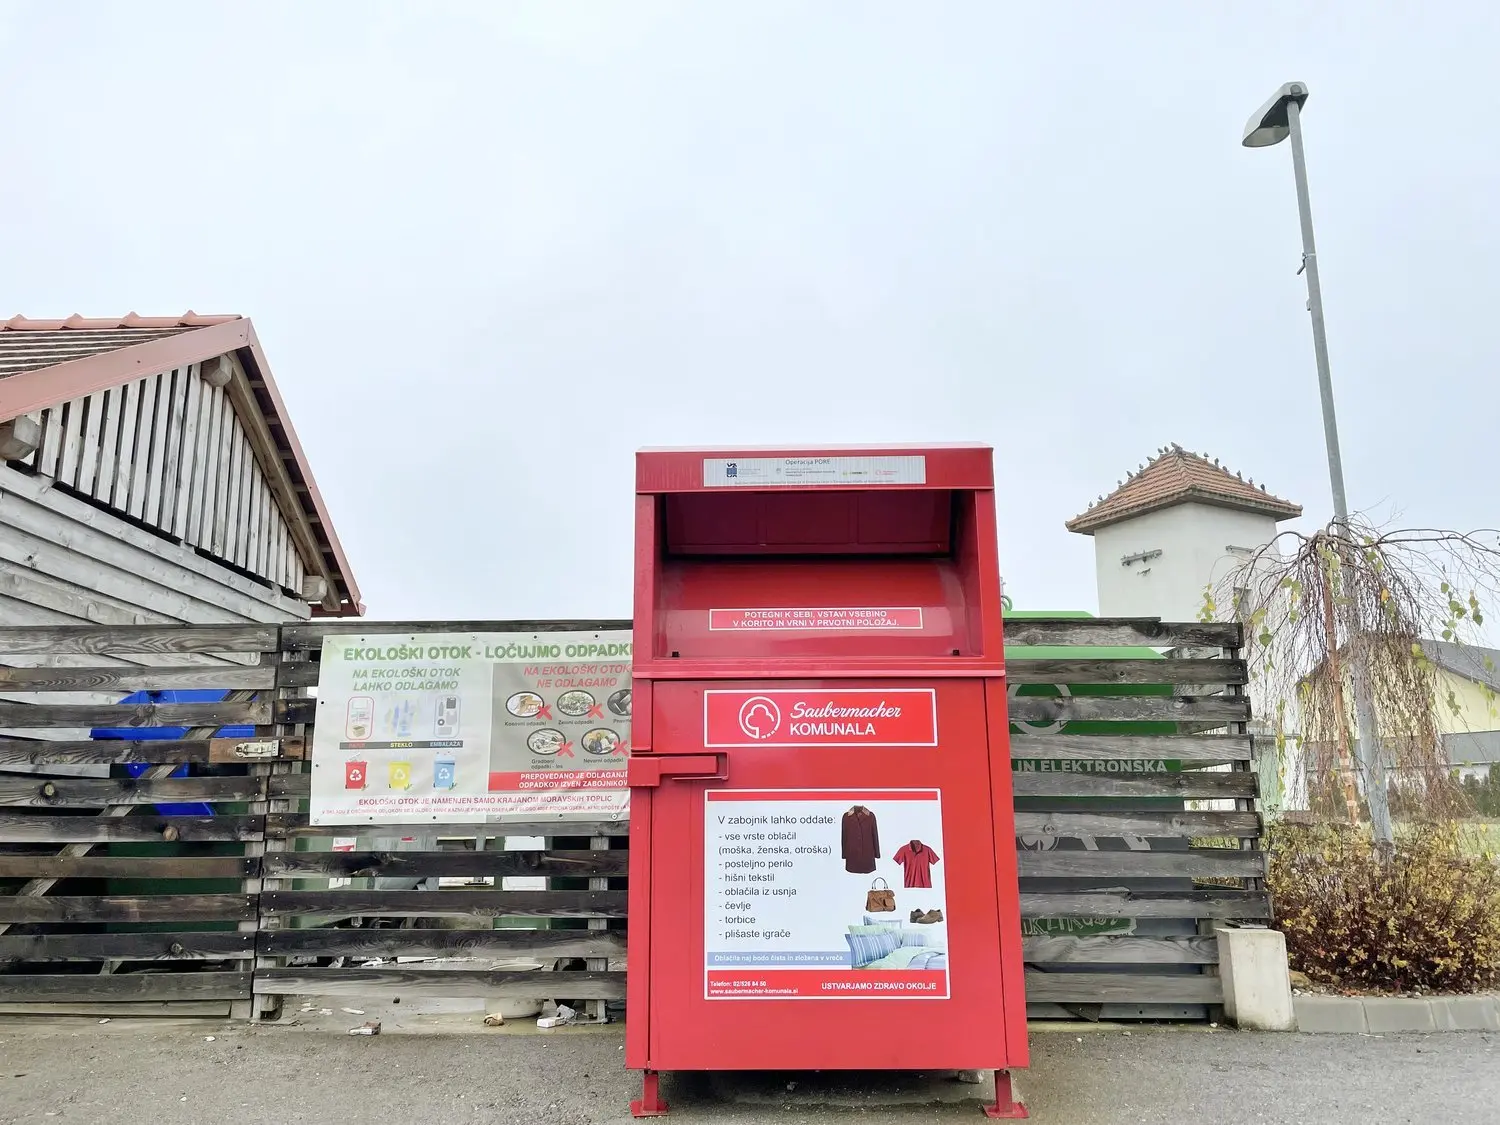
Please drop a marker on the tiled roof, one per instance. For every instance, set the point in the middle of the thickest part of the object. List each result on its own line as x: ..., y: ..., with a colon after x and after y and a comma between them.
x: 46, y: 362
x: 30, y: 345
x: 1472, y: 662
x: 1175, y: 476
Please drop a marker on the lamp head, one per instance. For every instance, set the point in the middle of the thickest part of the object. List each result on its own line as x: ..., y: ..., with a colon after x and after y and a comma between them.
x: 1268, y: 124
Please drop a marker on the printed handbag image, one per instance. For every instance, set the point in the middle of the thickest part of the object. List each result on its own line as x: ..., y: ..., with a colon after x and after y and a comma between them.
x: 880, y: 899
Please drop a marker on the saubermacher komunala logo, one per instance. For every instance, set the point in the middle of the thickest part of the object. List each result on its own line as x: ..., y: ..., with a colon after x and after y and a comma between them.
x: 760, y: 718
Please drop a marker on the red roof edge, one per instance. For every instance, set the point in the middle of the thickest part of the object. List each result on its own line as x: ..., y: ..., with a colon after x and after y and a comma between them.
x: 349, y: 603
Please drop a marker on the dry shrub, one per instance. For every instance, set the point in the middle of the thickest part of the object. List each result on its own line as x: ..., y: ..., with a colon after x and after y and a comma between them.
x: 1425, y: 919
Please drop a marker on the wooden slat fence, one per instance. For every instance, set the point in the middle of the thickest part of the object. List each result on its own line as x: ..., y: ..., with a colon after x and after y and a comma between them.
x: 1136, y: 805
x: 133, y: 886
x: 1135, y: 797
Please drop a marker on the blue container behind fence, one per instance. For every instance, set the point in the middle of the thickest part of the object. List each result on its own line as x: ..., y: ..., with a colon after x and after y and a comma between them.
x: 135, y: 769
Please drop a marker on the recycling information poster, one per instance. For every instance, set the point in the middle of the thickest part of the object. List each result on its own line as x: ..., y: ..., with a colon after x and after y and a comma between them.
x: 824, y: 894
x: 472, y: 727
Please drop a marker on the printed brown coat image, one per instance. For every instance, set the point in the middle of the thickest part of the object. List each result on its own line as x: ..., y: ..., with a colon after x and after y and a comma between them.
x: 860, y: 841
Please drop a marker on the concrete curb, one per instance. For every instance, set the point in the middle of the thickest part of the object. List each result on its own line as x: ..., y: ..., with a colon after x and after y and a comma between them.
x: 1377, y: 1015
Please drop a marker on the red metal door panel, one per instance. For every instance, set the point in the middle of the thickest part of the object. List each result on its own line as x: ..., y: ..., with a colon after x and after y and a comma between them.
x: 760, y: 878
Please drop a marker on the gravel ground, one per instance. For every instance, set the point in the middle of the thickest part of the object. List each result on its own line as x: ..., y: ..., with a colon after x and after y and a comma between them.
x: 128, y: 1075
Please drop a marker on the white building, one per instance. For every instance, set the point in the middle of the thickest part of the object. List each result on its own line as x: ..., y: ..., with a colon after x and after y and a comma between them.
x: 1178, y: 525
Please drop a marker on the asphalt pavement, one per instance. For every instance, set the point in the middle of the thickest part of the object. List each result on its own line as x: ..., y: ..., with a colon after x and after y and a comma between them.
x: 126, y: 1074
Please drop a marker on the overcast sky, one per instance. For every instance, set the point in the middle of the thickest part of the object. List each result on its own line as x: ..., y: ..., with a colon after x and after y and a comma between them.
x: 493, y: 248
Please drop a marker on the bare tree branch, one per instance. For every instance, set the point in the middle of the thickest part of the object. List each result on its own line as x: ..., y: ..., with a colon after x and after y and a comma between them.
x: 1354, y: 600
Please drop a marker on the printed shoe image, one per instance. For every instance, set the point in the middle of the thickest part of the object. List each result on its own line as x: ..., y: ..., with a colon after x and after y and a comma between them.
x: 926, y: 919
x: 916, y: 916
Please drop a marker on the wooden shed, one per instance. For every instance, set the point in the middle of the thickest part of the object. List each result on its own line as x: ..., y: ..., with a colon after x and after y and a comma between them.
x: 149, y: 474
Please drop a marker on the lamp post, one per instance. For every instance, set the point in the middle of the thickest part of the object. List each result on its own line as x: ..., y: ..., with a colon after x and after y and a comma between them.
x: 1278, y: 119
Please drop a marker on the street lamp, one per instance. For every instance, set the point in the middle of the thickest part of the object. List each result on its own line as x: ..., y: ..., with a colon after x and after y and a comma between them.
x: 1279, y: 118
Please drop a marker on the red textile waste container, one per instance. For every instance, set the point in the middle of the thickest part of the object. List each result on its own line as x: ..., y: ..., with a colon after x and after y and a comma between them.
x: 822, y: 844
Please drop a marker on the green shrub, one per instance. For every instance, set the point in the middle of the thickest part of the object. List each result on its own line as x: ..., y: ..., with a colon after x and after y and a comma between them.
x: 1427, y: 918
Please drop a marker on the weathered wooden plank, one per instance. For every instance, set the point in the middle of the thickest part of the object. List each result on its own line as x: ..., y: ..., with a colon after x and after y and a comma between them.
x: 179, y: 1009
x: 252, y: 515
x: 126, y: 867
x: 1196, y: 863
x: 37, y: 752
x: 128, y: 679
x: 96, y: 793
x: 126, y: 908
x: 227, y: 514
x: 1056, y: 949
x: 434, y: 904
x: 185, y: 464
x: 1188, y: 784
x: 1124, y: 988
x: 171, y: 468
x: 283, y: 825
x: 125, y: 449
x: 112, y: 751
x: 268, y: 524
x: 71, y: 454
x: 418, y: 982
x: 358, y: 942
x: 1019, y: 670
x: 451, y: 863
x: 40, y: 828
x: 293, y: 711
x: 51, y: 446
x: 50, y: 715
x: 113, y: 404
x: 276, y: 547
x: 163, y: 424
x: 173, y: 946
x: 1120, y: 632
x: 206, y: 471
x: 245, y: 504
x: 118, y: 639
x: 93, y: 425
x: 302, y: 673
x: 1121, y: 903
x: 1168, y: 747
x: 85, y: 988
x: 309, y: 635
x: 151, y: 393
x: 1128, y: 708
x: 290, y: 785
x: 1146, y: 824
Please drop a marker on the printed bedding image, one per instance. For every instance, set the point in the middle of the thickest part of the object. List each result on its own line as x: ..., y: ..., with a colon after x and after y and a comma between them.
x: 891, y: 945
x: 910, y: 957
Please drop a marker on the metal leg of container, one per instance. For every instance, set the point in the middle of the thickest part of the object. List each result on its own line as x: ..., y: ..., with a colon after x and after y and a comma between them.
x: 1006, y: 1106
x: 650, y: 1103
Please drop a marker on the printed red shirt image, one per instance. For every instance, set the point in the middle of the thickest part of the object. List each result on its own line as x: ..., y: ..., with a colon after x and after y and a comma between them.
x: 916, y: 860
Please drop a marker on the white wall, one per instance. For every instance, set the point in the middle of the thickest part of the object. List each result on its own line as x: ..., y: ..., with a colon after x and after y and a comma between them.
x: 1195, y: 542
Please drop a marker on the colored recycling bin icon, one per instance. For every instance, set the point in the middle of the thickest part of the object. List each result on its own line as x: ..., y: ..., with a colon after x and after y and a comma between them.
x: 444, y: 774
x: 400, y: 775
x: 355, y: 774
